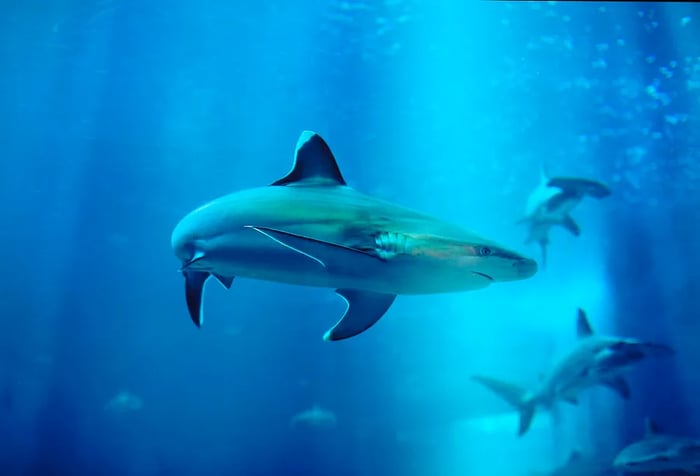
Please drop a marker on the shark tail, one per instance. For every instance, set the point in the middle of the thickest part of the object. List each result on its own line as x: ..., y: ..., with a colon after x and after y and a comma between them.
x: 516, y: 396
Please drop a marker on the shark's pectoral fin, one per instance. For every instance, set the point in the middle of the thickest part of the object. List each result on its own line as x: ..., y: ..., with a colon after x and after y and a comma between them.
x: 571, y: 225
x: 620, y: 386
x: 315, y: 249
x: 225, y: 281
x: 194, y: 288
x: 364, y: 309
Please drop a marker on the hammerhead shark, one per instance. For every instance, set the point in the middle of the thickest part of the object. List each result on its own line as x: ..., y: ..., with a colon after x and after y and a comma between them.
x: 658, y: 452
x: 310, y: 228
x: 551, y: 204
x: 596, y: 360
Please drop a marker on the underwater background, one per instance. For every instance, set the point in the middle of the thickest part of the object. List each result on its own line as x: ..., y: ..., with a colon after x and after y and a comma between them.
x: 118, y: 117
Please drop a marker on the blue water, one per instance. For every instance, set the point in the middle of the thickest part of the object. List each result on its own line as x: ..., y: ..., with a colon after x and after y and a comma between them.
x: 117, y: 117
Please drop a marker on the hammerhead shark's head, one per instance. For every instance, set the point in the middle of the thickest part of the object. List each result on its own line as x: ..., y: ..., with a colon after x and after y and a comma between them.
x: 658, y: 452
x: 596, y: 360
x: 551, y: 204
x: 310, y: 228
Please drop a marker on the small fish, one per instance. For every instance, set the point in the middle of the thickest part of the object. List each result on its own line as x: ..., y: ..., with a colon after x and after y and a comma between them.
x: 596, y: 360
x: 309, y: 228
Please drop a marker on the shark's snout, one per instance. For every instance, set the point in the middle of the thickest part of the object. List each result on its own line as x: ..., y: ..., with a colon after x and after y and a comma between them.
x: 525, y: 267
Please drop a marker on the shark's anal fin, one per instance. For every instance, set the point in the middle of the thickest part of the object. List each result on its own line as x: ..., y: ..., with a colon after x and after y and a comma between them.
x: 314, y: 163
x: 318, y: 250
x: 364, y: 309
x: 571, y: 225
x: 620, y: 386
x: 583, y: 326
x: 194, y: 288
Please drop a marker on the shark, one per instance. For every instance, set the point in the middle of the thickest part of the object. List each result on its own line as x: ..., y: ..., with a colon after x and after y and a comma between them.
x: 314, y: 417
x: 124, y: 401
x: 551, y: 204
x: 310, y: 228
x: 659, y: 452
x: 595, y: 360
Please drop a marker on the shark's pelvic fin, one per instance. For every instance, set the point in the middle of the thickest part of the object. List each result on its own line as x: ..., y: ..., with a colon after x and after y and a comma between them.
x: 571, y: 225
x: 364, y: 309
x: 225, y: 281
x: 315, y: 249
x: 583, y: 327
x: 194, y: 287
x: 620, y: 386
x: 314, y: 163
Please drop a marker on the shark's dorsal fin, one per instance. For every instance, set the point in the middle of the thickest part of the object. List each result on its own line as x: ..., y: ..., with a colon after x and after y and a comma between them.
x: 583, y: 327
x: 314, y: 163
x: 651, y: 428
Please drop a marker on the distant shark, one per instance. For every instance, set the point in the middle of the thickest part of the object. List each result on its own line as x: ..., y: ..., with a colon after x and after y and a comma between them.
x: 310, y: 228
x: 551, y: 203
x: 596, y: 360
x: 658, y: 452
x: 580, y: 465
x: 124, y: 401
x: 314, y: 417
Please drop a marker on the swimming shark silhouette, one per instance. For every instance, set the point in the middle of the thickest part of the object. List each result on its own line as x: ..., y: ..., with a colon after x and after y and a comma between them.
x: 596, y: 360
x: 314, y: 417
x: 310, y: 228
x: 551, y: 204
x: 658, y: 452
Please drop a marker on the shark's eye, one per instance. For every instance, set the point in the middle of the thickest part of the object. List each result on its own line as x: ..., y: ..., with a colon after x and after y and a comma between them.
x: 484, y: 251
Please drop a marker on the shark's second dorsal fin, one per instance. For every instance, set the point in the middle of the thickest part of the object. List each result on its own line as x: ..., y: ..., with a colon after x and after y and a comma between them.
x: 651, y: 428
x: 583, y: 327
x: 314, y: 163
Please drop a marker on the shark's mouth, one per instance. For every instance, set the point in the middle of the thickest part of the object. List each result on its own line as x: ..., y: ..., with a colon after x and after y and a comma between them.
x: 484, y: 275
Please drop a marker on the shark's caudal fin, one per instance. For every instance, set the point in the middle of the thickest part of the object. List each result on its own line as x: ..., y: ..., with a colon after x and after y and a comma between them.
x: 314, y: 163
x: 515, y: 396
x: 583, y: 327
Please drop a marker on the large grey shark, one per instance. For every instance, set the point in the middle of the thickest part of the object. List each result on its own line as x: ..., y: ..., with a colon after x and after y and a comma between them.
x: 310, y: 228
x: 551, y: 204
x: 658, y: 452
x: 596, y: 360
